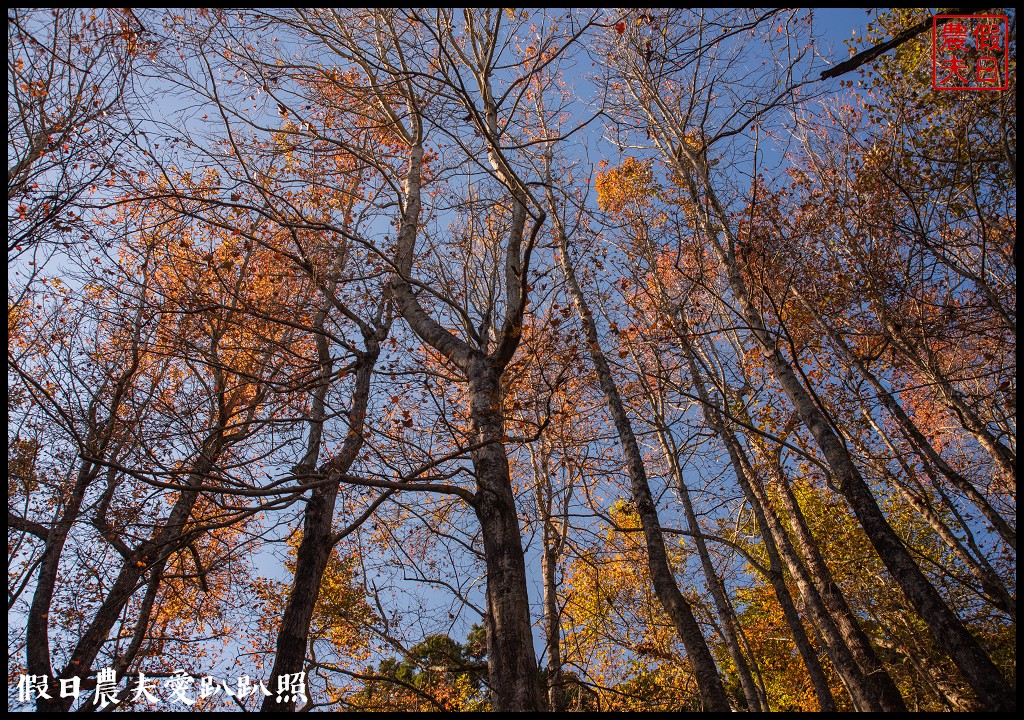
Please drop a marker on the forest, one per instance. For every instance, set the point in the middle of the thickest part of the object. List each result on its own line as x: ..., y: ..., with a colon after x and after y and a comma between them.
x: 491, y: 359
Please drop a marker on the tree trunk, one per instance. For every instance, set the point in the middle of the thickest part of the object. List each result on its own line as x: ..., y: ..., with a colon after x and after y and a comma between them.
x: 97, y: 446
x: 713, y: 417
x: 836, y: 646
x: 37, y: 626
x: 143, y: 558
x: 878, y: 678
x: 723, y: 608
x: 947, y: 629
x: 310, y: 563
x: 992, y: 588
x: 861, y: 693
x: 552, y: 626
x: 922, y: 357
x: 317, y: 542
x: 553, y: 542
x: 816, y: 673
x: 512, y: 664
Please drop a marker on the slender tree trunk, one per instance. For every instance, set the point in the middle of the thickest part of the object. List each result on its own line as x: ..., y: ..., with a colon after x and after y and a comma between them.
x: 512, y: 664
x: 552, y: 626
x: 880, y: 682
x: 723, y: 608
x: 755, y: 694
x: 944, y: 624
x: 142, y: 559
x: 863, y: 696
x: 922, y: 357
x: 97, y: 446
x: 815, y: 672
x: 553, y: 542
x: 311, y: 560
x: 993, y: 589
x: 709, y: 682
x: 37, y: 626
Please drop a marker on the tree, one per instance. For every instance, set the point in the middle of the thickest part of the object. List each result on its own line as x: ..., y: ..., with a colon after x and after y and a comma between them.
x: 438, y: 674
x: 337, y: 334
x: 69, y: 107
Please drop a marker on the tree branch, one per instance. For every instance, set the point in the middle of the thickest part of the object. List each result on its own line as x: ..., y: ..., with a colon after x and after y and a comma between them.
x: 866, y: 56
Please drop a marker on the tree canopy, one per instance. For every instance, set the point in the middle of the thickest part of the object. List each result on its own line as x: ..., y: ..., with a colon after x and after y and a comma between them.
x: 491, y: 359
